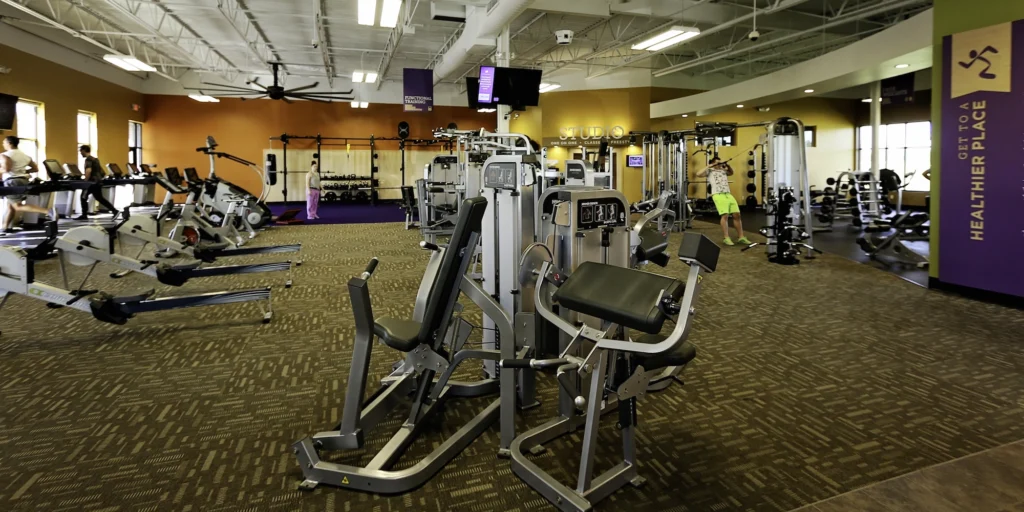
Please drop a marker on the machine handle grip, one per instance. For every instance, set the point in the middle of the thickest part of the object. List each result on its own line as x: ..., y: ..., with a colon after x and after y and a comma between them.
x: 370, y: 267
x: 429, y: 246
x: 516, y: 364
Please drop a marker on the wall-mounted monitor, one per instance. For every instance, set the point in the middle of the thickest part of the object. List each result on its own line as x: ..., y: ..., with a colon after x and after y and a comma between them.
x: 634, y: 160
x: 485, y: 94
x: 517, y: 87
x: 472, y: 88
x: 8, y: 105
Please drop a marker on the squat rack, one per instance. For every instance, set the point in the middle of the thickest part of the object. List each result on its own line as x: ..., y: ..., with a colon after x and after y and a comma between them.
x: 370, y: 142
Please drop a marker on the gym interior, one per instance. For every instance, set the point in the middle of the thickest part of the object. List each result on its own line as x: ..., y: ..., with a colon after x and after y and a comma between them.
x: 510, y: 255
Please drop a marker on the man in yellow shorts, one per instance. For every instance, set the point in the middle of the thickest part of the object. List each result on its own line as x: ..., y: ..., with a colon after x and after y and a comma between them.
x: 718, y: 177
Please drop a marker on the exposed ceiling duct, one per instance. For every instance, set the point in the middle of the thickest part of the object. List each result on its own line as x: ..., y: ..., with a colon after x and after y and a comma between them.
x: 482, y: 27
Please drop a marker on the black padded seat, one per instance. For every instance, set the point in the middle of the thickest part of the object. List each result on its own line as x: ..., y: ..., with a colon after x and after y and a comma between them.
x: 398, y: 334
x: 679, y: 356
x: 616, y: 294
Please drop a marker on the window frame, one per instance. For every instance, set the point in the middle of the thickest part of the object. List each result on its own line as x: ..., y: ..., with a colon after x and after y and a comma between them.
x: 864, y: 149
x: 39, y: 138
x: 135, y: 152
x: 92, y: 138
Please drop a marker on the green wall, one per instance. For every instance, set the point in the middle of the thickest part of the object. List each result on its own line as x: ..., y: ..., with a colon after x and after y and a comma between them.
x: 951, y: 17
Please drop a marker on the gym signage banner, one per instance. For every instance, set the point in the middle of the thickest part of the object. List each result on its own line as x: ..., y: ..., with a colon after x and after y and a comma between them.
x: 898, y: 89
x: 418, y: 86
x: 575, y: 136
x: 981, y: 208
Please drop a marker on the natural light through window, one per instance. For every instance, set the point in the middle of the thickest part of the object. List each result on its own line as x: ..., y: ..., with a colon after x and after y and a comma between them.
x: 903, y: 147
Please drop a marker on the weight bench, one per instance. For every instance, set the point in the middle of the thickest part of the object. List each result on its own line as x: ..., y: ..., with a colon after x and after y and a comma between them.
x: 619, y: 368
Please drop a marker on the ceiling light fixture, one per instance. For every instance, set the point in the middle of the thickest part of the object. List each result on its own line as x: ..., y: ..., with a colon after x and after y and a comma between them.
x: 357, y: 77
x: 128, y: 63
x: 371, y: 77
x: 739, y: 106
x: 868, y: 100
x: 367, y: 12
x: 204, y: 98
x: 389, y: 13
x: 363, y: 104
x: 808, y: 91
x: 686, y: 115
x: 548, y: 87
x: 486, y: 110
x: 902, y: 66
x: 355, y: 104
x: 670, y: 37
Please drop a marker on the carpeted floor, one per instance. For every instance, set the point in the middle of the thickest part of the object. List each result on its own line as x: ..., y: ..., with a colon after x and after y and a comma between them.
x: 810, y: 381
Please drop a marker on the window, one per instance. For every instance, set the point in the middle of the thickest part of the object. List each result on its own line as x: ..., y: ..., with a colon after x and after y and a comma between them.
x: 134, y: 142
x: 31, y: 128
x: 903, y: 147
x: 87, y: 130
x: 810, y: 136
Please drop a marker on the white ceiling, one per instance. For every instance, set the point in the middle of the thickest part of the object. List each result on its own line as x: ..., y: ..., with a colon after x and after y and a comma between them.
x: 233, y: 40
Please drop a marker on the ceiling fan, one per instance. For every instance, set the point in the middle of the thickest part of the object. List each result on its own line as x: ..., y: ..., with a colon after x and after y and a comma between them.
x: 274, y: 92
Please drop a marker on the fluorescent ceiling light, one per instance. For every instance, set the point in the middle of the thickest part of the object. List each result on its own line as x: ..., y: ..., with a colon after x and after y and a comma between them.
x: 808, y: 91
x: 363, y: 104
x: 686, y: 115
x: 355, y: 104
x: 868, y: 100
x: 548, y: 87
x: 486, y: 110
x: 902, y: 66
x: 128, y: 63
x: 389, y: 13
x: 371, y: 77
x: 672, y: 36
x: 674, y: 41
x: 367, y: 11
x: 357, y: 76
x: 204, y: 98
x: 739, y: 106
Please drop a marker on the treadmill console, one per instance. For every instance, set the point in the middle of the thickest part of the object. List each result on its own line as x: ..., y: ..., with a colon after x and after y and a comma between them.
x: 192, y: 176
x: 174, y: 176
x: 115, y: 170
x: 53, y: 169
x: 72, y: 171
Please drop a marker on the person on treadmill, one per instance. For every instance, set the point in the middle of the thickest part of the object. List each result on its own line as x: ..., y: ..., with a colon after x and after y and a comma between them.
x: 16, y: 170
x: 718, y: 177
x: 94, y: 173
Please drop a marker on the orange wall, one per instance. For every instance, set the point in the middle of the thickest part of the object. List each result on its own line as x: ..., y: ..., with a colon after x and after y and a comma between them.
x: 176, y: 125
x: 63, y: 92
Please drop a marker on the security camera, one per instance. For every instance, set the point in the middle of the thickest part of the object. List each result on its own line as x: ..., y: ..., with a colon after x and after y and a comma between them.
x: 754, y: 35
x: 563, y: 37
x: 315, y: 43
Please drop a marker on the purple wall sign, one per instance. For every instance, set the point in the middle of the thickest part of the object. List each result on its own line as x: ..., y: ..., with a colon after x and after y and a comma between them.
x: 486, y: 84
x: 418, y: 85
x: 635, y: 161
x: 981, y: 243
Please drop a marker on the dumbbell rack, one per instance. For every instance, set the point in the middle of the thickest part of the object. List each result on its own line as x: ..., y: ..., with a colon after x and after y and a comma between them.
x: 864, y: 199
x: 349, y: 189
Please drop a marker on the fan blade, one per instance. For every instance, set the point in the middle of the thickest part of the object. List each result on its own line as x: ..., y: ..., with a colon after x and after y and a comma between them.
x: 318, y: 97
x: 288, y: 101
x: 307, y: 98
x: 303, y: 88
x: 225, y: 86
x: 330, y: 93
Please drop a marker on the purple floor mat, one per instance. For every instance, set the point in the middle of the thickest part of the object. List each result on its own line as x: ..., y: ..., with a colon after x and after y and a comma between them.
x: 341, y: 213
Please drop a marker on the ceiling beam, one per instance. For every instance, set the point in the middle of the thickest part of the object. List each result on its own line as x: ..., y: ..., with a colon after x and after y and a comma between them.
x: 779, y: 5
x: 156, y: 59
x: 886, y: 5
x: 324, y: 41
x: 242, y: 23
x: 158, y: 20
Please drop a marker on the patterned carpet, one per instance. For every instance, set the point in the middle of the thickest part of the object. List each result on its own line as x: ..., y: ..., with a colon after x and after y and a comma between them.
x: 809, y: 381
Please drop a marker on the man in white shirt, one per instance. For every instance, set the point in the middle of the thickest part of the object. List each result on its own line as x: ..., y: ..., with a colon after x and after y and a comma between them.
x: 718, y: 177
x: 313, y: 191
x: 16, y: 169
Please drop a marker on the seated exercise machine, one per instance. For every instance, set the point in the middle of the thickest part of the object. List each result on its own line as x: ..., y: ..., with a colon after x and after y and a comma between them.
x: 908, y: 226
x: 433, y: 342
x: 192, y: 219
x: 17, y: 276
x: 92, y: 245
x: 600, y: 370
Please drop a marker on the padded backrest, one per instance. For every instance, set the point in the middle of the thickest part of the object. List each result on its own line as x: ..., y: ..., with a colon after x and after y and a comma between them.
x: 889, y: 180
x: 192, y: 176
x: 408, y: 195
x: 174, y: 176
x: 470, y: 221
x: 699, y: 249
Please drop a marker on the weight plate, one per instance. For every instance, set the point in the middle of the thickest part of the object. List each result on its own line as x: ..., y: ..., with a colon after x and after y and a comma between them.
x: 751, y: 188
x: 751, y: 174
x: 530, y: 263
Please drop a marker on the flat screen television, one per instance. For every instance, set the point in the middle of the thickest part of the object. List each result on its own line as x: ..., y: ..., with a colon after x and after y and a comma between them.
x: 485, y: 90
x: 8, y: 104
x: 517, y: 87
x: 472, y: 94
